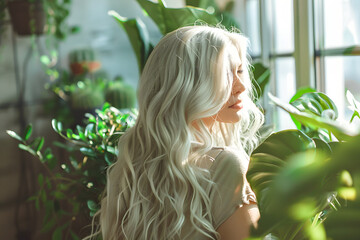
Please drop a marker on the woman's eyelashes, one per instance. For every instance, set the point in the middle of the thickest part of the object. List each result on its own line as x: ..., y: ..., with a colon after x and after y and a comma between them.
x: 240, y: 71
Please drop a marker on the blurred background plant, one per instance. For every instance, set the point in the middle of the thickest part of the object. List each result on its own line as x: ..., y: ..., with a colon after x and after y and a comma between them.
x: 85, y: 89
x: 70, y: 195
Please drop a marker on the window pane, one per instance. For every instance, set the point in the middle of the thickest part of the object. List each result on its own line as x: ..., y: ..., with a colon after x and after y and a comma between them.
x: 283, y: 25
x: 252, y: 26
x: 285, y: 89
x: 342, y: 23
x: 341, y: 74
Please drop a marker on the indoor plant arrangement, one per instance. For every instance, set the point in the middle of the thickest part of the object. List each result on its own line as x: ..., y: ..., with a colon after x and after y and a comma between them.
x: 307, y: 180
x: 76, y: 95
x: 307, y: 188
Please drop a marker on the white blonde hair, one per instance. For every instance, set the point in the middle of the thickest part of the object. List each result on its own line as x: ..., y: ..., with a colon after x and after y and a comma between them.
x: 155, y: 185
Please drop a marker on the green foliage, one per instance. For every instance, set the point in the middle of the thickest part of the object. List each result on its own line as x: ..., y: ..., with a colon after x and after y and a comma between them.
x: 224, y: 16
x: 308, y: 188
x: 317, y: 104
x: 87, y: 95
x: 120, y: 95
x: 77, y: 94
x: 82, y: 55
x: 169, y: 19
x: 340, y: 131
x: 138, y: 37
x: 57, y: 12
x: 72, y: 191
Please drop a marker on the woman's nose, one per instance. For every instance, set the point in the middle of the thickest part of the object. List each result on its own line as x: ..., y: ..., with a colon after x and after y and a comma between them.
x: 238, y: 86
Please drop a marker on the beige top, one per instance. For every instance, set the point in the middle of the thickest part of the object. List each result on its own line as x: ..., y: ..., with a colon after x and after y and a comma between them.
x: 231, y: 190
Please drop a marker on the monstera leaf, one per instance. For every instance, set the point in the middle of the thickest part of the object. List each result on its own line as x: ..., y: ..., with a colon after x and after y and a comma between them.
x: 294, y: 179
x: 169, y: 19
x: 344, y: 223
x: 270, y: 157
x: 318, y: 104
x: 298, y: 182
x: 138, y: 37
x: 340, y: 131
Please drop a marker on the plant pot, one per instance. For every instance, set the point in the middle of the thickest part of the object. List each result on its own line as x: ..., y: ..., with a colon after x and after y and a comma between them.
x: 78, y: 68
x: 27, y: 18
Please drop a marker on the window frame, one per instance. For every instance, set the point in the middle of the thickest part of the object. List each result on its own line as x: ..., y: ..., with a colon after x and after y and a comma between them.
x: 309, y: 45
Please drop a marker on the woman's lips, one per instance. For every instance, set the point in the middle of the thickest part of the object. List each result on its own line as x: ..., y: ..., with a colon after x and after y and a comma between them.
x: 237, y: 105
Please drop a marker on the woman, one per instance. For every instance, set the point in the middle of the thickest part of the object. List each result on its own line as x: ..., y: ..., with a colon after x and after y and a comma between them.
x: 181, y: 169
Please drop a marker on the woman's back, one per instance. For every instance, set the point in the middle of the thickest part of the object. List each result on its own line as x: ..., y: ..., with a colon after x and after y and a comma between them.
x: 195, y: 87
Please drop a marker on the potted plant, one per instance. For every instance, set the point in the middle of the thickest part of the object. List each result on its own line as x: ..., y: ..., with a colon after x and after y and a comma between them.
x: 83, y: 61
x: 120, y: 94
x: 27, y: 17
x: 38, y: 16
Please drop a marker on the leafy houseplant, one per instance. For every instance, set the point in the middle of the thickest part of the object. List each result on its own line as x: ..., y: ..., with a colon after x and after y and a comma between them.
x: 82, y: 61
x: 76, y: 95
x: 308, y: 185
x: 70, y: 196
x: 120, y: 95
x: 307, y: 188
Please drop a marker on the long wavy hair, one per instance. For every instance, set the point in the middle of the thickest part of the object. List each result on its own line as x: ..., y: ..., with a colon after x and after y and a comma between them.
x: 156, y: 184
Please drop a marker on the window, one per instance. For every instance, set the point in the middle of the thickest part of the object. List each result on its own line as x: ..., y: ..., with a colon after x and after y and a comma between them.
x: 312, y: 43
x: 338, y: 25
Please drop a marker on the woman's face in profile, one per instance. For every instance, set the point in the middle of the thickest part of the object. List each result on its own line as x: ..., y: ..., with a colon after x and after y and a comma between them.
x: 230, y: 112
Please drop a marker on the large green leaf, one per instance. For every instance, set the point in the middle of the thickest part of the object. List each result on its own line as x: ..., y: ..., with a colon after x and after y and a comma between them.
x: 344, y: 223
x: 315, y: 103
x: 169, y: 19
x: 202, y: 4
x: 274, y: 157
x: 138, y: 37
x: 223, y: 16
x: 294, y: 188
x: 271, y: 155
x: 314, y: 121
x: 300, y: 92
